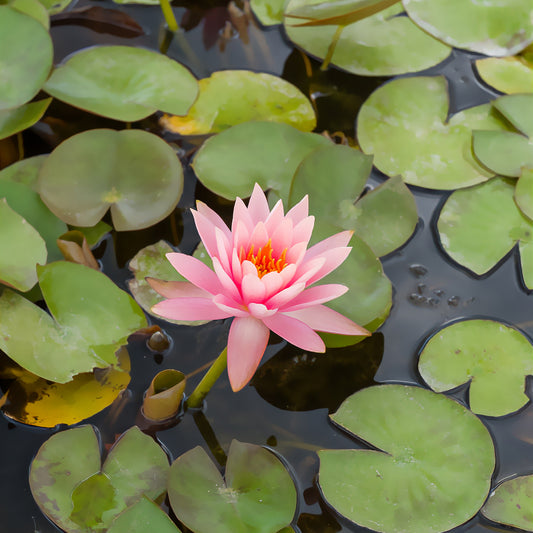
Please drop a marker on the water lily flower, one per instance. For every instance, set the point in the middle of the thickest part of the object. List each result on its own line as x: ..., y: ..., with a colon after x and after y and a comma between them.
x: 264, y: 276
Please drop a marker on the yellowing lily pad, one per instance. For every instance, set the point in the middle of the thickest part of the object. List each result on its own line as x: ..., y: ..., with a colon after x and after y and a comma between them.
x: 91, y: 319
x: 230, y: 97
x: 475, y: 238
x: 133, y: 172
x: 383, y: 44
x: 267, y: 153
x: 76, y: 494
x: 511, y: 503
x: 495, y: 359
x: 19, y: 118
x: 490, y: 27
x: 123, y: 82
x: 22, y: 249
x: 429, y: 471
x: 26, y: 52
x: 404, y: 124
x: 257, y: 495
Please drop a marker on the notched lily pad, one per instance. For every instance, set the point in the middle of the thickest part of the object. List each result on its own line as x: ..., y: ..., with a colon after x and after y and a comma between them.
x: 490, y: 27
x: 471, y: 234
x: 383, y: 44
x: 511, y: 503
x: 78, y: 495
x: 123, y: 82
x: 230, y: 97
x: 257, y: 495
x: 91, y: 319
x: 404, y: 124
x: 430, y: 470
x: 132, y: 172
x: 494, y: 358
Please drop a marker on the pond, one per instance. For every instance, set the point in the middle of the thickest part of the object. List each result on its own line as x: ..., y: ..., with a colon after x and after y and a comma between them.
x: 454, y: 248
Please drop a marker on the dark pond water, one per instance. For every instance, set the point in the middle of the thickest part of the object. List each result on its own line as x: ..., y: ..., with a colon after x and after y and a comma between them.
x: 428, y: 292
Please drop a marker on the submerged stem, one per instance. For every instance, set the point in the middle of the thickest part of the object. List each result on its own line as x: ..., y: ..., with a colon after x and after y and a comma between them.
x: 169, y: 15
x: 331, y: 49
x: 201, y: 390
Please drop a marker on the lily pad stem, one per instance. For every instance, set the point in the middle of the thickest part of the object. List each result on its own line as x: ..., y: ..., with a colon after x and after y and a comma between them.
x: 201, y: 390
x: 166, y: 8
x: 331, y: 49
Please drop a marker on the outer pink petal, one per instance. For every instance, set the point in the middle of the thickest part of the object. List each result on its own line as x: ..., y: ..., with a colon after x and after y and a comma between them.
x: 333, y: 259
x: 303, y: 230
x: 240, y: 214
x: 230, y: 306
x: 258, y: 205
x: 224, y: 249
x: 296, y: 253
x: 296, y: 332
x: 335, y: 241
x: 195, y: 271
x: 323, y: 318
x: 227, y: 283
x: 308, y: 269
x: 285, y: 296
x: 315, y: 295
x: 206, y: 230
x: 247, y: 341
x: 213, y: 217
x: 177, y: 289
x: 189, y: 309
x: 299, y: 211
x: 236, y: 268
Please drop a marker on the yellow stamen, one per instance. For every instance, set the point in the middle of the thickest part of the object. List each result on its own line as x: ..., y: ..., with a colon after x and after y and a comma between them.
x: 263, y: 259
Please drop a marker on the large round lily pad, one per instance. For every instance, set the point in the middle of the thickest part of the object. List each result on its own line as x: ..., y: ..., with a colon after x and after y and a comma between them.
x: 430, y: 471
x: 123, y: 82
x: 26, y: 52
x: 490, y: 27
x: 475, y: 238
x: 230, y: 97
x: 494, y: 358
x: 133, y: 172
x: 257, y: 495
x: 267, y: 153
x: 383, y: 44
x: 511, y: 503
x: 404, y: 124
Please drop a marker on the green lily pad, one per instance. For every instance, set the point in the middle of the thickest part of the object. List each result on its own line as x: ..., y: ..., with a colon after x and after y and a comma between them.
x: 20, y: 118
x: 92, y: 318
x: 34, y: 9
x: 430, y: 470
x: 25, y: 171
x: 26, y: 52
x: 491, y: 27
x: 471, y: 234
x: 94, y: 234
x: 22, y: 249
x: 495, y: 359
x: 523, y: 193
x: 230, y: 97
x: 135, y: 173
x: 123, y: 83
x: 507, y: 153
x: 510, y: 503
x: 151, y: 262
x: 508, y: 74
x: 404, y: 124
x: 268, y: 153
x: 257, y: 496
x: 336, y: 204
x: 383, y: 44
x: 269, y: 12
x: 29, y: 205
x: 141, y: 517
x: 78, y: 495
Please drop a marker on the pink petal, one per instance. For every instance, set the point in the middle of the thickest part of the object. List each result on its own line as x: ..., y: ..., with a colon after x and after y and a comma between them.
x: 286, y: 295
x: 261, y: 311
x: 275, y: 217
x: 195, y: 271
x: 247, y: 341
x: 227, y: 283
x: 213, y: 217
x: 281, y: 238
x: 240, y: 214
x: 177, y: 289
x: 333, y: 259
x: 236, y: 268
x: 323, y: 318
x: 241, y: 235
x: 272, y: 282
x: 258, y: 238
x: 287, y: 274
x: 230, y: 306
x: 299, y: 211
x: 258, y: 205
x: 189, y: 309
x: 335, y: 241
x: 316, y: 295
x: 303, y: 230
x: 296, y: 253
x: 224, y: 249
x: 308, y: 269
x: 296, y: 332
x: 252, y: 289
x: 248, y: 268
x: 206, y: 230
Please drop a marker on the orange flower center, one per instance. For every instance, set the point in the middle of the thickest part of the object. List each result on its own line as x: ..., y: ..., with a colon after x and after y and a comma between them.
x: 263, y: 259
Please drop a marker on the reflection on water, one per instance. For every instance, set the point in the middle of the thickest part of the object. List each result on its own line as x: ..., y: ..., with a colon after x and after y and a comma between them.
x: 276, y: 410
